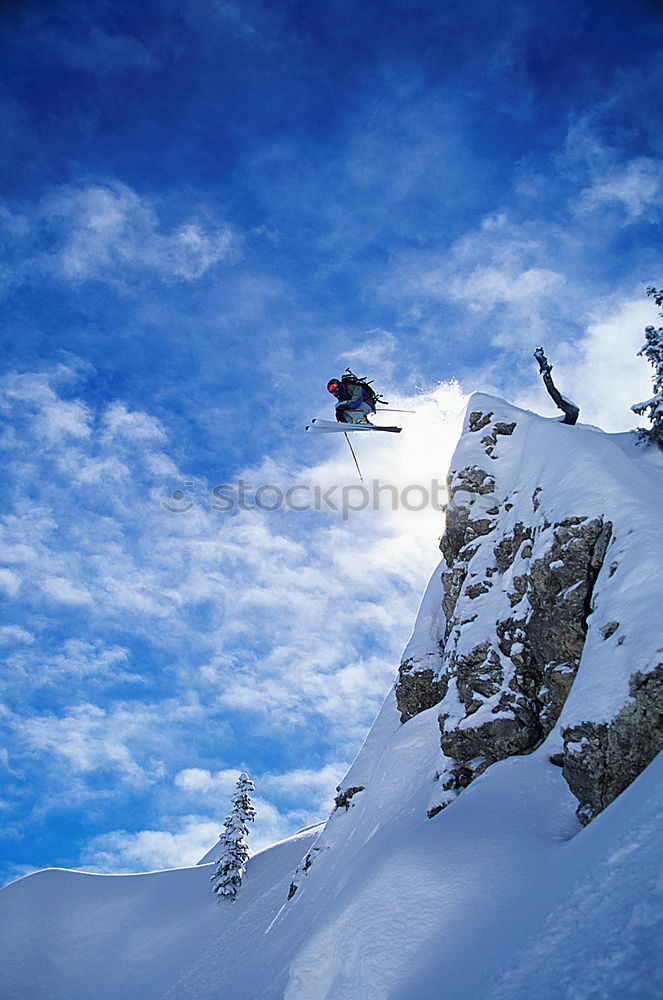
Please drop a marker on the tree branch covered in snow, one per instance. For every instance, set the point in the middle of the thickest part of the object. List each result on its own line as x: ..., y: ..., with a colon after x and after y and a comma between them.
x: 652, y: 349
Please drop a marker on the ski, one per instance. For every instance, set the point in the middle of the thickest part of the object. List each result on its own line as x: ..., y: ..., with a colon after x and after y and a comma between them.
x: 318, y: 426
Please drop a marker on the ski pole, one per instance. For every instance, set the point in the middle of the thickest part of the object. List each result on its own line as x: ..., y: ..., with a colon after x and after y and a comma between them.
x: 345, y: 435
x: 390, y: 409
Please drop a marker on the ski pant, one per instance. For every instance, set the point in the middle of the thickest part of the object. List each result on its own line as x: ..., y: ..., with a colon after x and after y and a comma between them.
x: 353, y: 413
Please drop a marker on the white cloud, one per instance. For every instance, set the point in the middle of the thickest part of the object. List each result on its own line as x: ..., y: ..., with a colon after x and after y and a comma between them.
x: 64, y: 419
x: 85, y: 754
x: 92, y: 471
x: 104, y: 228
x: 14, y: 633
x: 132, y: 426
x: 499, y: 262
x: 61, y: 589
x: 272, y: 824
x: 14, y: 872
x: 89, y: 739
x: 262, y: 562
x: 17, y: 553
x: 610, y: 376
x: 56, y: 419
x: 186, y: 840
x: 319, y: 784
x: 299, y: 784
x: 55, y: 668
x: 486, y: 287
x: 378, y: 351
x: 635, y: 186
x: 200, y: 781
x: 10, y: 582
x: 108, y: 231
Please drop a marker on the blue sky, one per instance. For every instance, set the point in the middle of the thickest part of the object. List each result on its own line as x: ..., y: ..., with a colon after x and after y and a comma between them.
x: 209, y: 208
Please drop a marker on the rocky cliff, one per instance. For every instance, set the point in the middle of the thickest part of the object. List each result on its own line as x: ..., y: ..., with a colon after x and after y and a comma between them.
x: 549, y: 551
x: 541, y: 628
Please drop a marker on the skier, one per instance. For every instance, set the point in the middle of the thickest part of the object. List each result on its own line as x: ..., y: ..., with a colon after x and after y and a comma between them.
x: 355, y: 398
x: 569, y: 409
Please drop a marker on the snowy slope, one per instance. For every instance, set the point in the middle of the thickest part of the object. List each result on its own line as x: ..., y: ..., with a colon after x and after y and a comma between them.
x: 503, y: 888
x: 450, y: 900
x: 503, y: 895
x: 72, y: 936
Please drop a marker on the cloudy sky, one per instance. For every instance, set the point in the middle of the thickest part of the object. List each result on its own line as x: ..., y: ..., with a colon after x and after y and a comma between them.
x: 207, y: 209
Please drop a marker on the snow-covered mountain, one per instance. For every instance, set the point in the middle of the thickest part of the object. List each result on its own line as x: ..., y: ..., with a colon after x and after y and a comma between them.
x: 499, y: 835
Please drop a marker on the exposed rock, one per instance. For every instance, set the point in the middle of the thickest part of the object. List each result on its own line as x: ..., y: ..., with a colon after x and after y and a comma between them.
x: 602, y: 759
x: 343, y: 798
x: 420, y: 686
x: 492, y: 741
x: 559, y: 593
x: 609, y: 629
x: 521, y: 676
x: 460, y: 777
x: 473, y: 479
x: 533, y: 665
x: 417, y: 689
x: 453, y: 581
x: 477, y: 420
x: 506, y: 549
x: 302, y: 868
x: 478, y: 673
x: 490, y: 440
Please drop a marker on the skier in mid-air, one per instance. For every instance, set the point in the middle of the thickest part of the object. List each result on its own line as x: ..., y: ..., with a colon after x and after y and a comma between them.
x: 567, y: 406
x: 355, y: 398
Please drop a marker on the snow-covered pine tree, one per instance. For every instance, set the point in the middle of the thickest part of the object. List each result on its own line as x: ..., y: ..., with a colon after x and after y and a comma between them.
x: 653, y: 351
x: 231, y: 866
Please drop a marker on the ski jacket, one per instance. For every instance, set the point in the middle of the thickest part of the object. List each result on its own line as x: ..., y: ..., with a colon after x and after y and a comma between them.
x: 351, y: 395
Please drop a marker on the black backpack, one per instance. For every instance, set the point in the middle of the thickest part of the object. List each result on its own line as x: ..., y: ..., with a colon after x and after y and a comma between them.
x: 368, y: 393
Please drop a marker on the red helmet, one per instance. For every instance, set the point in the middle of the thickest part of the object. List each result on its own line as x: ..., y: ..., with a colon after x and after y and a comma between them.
x: 333, y: 385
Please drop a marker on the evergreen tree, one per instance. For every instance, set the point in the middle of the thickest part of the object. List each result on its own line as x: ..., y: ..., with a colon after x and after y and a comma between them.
x: 231, y: 866
x: 653, y: 351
